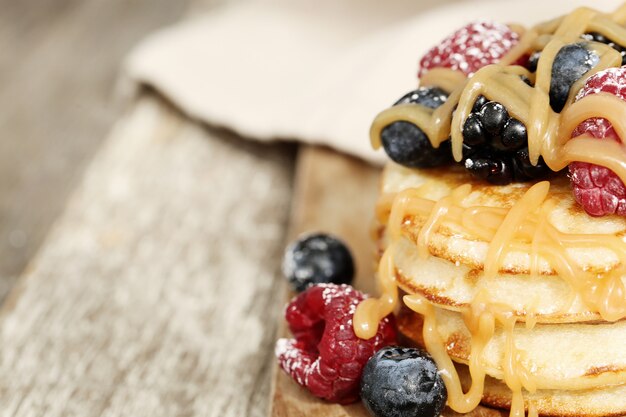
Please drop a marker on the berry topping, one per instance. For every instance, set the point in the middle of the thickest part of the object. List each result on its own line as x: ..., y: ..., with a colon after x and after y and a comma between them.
x: 598, y: 189
x: 470, y: 48
x: 494, y: 116
x: 431, y: 97
x: 326, y: 357
x: 570, y: 64
x: 495, y: 146
x: 317, y: 259
x: 513, y: 135
x: 597, y: 37
x: 402, y: 382
x: 407, y: 144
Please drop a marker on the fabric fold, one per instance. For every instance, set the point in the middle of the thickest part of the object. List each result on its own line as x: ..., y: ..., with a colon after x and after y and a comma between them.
x: 317, y: 73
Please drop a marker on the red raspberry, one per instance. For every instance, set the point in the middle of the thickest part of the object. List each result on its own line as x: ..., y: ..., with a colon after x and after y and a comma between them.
x: 326, y: 356
x: 596, y: 188
x: 471, y: 48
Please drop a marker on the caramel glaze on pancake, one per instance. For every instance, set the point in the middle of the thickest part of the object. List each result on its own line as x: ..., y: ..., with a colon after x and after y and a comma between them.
x: 567, y: 365
x: 548, y: 296
x: 465, y: 254
x: 437, y: 186
x: 557, y: 403
x: 454, y: 245
x: 441, y: 301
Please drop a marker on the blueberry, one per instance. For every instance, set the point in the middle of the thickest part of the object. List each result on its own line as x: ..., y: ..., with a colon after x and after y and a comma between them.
x: 570, y: 64
x: 402, y: 382
x: 315, y: 259
x: 431, y: 97
x: 406, y: 144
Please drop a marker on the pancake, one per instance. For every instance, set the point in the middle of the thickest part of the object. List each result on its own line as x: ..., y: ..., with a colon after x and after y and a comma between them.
x: 453, y: 286
x: 454, y: 272
x: 455, y: 246
x: 569, y: 363
x: 556, y: 336
x: 609, y: 401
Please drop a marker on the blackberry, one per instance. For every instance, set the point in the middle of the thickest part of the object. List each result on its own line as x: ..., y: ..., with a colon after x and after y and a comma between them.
x: 495, y: 146
x: 489, y: 166
x: 317, y: 259
x: 597, y: 37
x: 402, y: 382
x: 407, y: 144
x: 570, y: 64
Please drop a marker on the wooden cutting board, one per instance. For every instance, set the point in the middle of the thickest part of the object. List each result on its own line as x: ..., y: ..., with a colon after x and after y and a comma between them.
x: 335, y: 193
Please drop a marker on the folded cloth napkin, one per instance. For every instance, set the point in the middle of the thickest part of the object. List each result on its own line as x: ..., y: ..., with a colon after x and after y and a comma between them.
x: 316, y: 72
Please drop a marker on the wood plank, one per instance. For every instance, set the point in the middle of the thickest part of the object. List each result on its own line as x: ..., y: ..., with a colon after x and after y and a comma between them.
x: 155, y: 292
x: 59, y: 60
x: 334, y: 193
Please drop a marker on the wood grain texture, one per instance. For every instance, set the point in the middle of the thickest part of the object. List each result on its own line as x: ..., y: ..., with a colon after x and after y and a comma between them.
x: 334, y: 193
x: 154, y: 294
x: 59, y: 60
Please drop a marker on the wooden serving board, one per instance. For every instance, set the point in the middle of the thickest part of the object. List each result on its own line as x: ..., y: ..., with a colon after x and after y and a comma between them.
x: 334, y: 193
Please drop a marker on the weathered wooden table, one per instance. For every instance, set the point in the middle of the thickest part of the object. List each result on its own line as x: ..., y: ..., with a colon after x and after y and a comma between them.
x: 141, y: 260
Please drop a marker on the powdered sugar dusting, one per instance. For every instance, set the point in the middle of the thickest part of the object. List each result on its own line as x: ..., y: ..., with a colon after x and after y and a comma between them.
x: 293, y: 360
x: 329, y: 362
x: 282, y: 347
x: 333, y: 290
x: 471, y: 48
x: 610, y: 80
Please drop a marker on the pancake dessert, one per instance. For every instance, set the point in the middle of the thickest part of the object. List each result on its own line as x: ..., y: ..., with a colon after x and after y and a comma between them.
x: 501, y: 223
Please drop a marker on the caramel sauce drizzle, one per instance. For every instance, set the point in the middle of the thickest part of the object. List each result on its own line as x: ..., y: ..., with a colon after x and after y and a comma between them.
x: 548, y: 132
x: 525, y: 225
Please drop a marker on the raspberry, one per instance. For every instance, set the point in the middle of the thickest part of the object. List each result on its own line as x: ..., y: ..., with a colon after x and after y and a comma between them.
x: 596, y: 188
x: 470, y: 48
x: 326, y: 357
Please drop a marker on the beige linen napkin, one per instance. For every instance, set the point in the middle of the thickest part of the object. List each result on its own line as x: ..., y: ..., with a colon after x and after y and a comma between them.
x: 316, y: 72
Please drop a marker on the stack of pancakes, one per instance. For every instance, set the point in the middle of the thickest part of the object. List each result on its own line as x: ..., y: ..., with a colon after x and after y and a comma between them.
x: 577, y: 359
